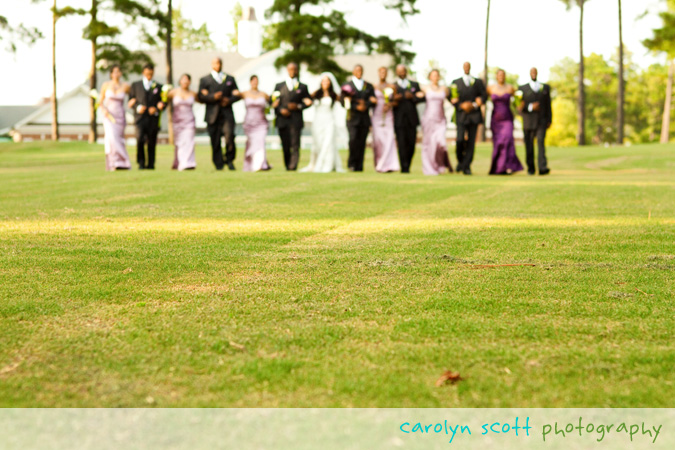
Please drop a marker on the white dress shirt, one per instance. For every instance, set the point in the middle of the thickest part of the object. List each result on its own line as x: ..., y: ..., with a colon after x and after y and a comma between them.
x: 147, y: 84
x: 468, y: 80
x: 218, y: 76
x: 358, y: 83
x: 291, y: 83
x: 404, y: 83
x: 536, y: 87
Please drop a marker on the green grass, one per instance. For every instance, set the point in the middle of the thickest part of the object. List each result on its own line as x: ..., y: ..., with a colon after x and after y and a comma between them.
x: 275, y: 289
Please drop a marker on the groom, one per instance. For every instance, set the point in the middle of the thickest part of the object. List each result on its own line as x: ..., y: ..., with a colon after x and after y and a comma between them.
x: 145, y: 98
x: 291, y: 98
x: 406, y: 118
x: 361, y: 95
x: 537, y: 118
x: 217, y: 91
x: 471, y: 96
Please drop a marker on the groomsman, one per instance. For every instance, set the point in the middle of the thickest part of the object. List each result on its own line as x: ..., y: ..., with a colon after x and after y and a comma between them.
x: 145, y: 98
x: 406, y: 118
x: 362, y: 98
x: 217, y: 90
x: 471, y: 96
x: 537, y: 118
x: 293, y: 97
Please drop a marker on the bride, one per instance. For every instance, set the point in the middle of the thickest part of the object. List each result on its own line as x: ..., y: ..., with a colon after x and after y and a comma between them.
x: 327, y: 128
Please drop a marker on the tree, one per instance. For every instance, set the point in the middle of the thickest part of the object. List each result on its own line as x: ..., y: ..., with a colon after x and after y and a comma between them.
x: 485, y: 67
x: 316, y: 39
x: 18, y: 33
x: 54, y: 100
x: 581, y: 100
x: 237, y: 14
x: 186, y: 36
x: 663, y: 41
x: 620, y: 125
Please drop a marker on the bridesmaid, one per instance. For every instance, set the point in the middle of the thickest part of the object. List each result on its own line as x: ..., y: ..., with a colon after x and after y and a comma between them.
x: 114, y: 121
x: 435, y: 159
x: 384, y: 139
x: 504, y: 158
x: 184, y: 126
x: 256, y: 128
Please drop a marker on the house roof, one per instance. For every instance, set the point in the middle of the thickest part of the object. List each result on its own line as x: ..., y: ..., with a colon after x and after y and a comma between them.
x: 10, y: 115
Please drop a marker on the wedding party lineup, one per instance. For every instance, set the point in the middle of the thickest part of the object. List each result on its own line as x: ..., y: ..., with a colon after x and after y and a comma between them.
x: 388, y: 110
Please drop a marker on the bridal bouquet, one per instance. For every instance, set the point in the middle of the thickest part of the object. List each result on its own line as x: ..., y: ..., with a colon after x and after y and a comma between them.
x: 275, y: 96
x: 97, y: 102
x: 347, y: 92
x: 165, y: 92
x: 388, y: 96
x: 454, y: 92
x: 518, y: 98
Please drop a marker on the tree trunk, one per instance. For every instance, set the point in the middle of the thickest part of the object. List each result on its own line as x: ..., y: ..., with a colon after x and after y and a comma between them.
x: 169, y: 68
x: 620, y: 121
x: 581, y: 104
x: 93, y: 128
x: 665, y: 127
x: 55, y: 101
x: 485, y: 67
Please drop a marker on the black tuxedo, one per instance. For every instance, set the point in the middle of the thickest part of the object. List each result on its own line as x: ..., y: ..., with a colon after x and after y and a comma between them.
x: 290, y: 128
x: 147, y: 126
x: 535, y: 124
x: 406, y: 121
x: 467, y: 123
x: 358, y: 124
x: 219, y: 119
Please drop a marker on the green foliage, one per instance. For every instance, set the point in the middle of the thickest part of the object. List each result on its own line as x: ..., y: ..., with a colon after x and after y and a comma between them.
x: 237, y: 14
x: 186, y: 37
x: 663, y: 39
x: 13, y: 34
x: 644, y: 99
x: 315, y: 39
x: 563, y: 131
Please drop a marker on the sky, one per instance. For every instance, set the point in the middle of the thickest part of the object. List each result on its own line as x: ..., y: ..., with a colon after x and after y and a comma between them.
x: 523, y: 33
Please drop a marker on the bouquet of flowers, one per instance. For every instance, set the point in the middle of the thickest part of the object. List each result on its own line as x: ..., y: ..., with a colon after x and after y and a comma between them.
x: 275, y: 96
x: 165, y: 92
x: 518, y: 98
x: 388, y: 96
x: 347, y: 93
x: 94, y: 94
x: 454, y: 92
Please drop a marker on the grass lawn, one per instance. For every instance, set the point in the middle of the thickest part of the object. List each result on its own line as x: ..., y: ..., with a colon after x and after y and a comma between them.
x: 273, y: 289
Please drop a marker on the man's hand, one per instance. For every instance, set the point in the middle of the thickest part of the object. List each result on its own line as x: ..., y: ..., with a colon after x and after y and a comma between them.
x: 467, y: 107
x: 420, y: 94
x: 479, y: 101
x: 224, y: 102
x: 307, y: 102
x: 142, y: 109
x: 373, y: 100
x: 204, y: 92
x: 398, y: 97
x: 132, y: 103
x: 218, y: 95
x: 152, y: 110
x: 361, y: 106
x: 275, y: 104
x: 284, y: 112
x: 161, y: 106
x: 292, y: 106
x: 535, y: 106
x: 454, y: 101
x: 409, y: 95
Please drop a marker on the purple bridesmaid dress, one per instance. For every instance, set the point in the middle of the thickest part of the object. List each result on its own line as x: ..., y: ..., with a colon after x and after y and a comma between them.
x: 435, y: 159
x: 256, y: 128
x: 504, y: 158
x: 116, y: 156
x: 384, y: 139
x: 184, y: 133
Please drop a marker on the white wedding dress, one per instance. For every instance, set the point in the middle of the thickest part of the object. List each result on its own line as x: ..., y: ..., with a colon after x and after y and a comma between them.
x: 328, y: 129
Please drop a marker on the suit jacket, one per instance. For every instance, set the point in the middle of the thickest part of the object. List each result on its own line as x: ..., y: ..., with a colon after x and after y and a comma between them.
x: 469, y: 94
x: 535, y: 119
x: 213, y: 108
x: 287, y: 96
x: 405, y: 114
x: 145, y: 98
x: 356, y: 117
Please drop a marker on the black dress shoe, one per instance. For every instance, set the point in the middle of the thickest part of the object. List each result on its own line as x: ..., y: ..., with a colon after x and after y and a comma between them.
x: 530, y: 173
x: 219, y: 168
x: 141, y: 167
x: 467, y: 172
x: 460, y: 169
x: 544, y: 172
x: 230, y: 166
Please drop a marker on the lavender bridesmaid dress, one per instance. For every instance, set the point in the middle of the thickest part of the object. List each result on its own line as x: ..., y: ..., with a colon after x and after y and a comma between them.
x: 504, y: 158
x: 116, y: 156
x: 184, y: 133
x: 435, y: 159
x: 384, y: 139
x: 256, y: 128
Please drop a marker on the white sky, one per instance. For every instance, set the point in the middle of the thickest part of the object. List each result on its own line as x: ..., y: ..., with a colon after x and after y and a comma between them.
x: 523, y: 33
